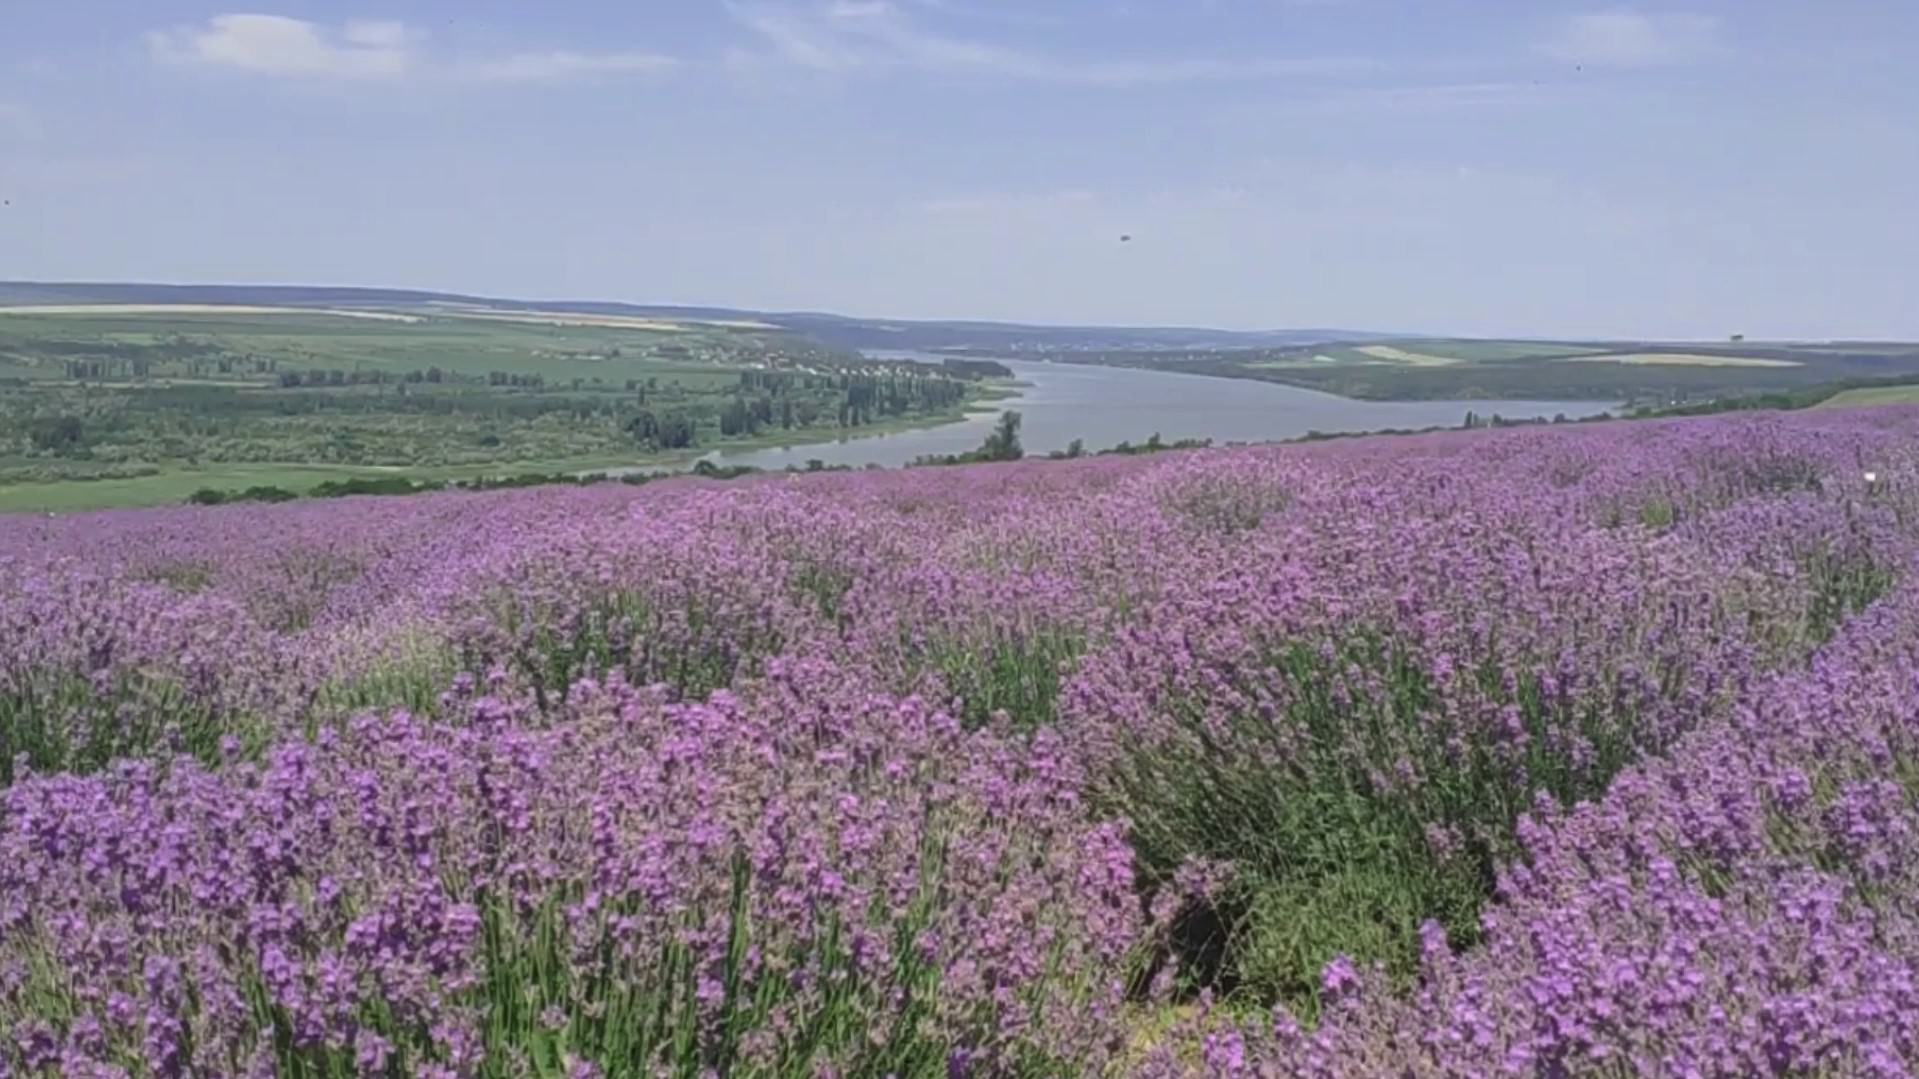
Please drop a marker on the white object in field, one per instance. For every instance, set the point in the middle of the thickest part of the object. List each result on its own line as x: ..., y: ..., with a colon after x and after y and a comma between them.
x: 1872, y: 477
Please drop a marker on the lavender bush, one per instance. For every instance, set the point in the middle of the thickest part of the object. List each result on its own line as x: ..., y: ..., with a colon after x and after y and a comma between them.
x: 811, y: 878
x: 1743, y: 906
x: 1552, y: 752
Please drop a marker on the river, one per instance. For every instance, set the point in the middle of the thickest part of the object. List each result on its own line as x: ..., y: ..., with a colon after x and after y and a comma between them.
x: 1104, y: 406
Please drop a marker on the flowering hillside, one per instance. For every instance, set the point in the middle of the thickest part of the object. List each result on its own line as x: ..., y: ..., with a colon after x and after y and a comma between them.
x: 1548, y: 751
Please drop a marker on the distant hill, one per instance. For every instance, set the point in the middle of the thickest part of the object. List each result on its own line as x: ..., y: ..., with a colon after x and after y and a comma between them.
x: 1019, y: 337
x: 838, y: 330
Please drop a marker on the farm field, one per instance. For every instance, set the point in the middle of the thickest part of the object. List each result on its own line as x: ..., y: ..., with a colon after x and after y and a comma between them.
x: 110, y: 310
x: 1683, y: 359
x: 1392, y: 354
x: 1560, y: 750
x: 395, y: 342
x: 1440, y: 353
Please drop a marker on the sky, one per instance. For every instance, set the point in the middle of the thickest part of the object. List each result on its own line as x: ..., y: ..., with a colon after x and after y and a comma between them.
x: 1490, y: 167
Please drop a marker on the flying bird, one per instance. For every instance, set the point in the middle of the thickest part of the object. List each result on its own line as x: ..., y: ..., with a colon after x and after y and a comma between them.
x: 1125, y: 239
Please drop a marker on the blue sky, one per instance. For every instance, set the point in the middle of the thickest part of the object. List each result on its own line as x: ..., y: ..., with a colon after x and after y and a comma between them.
x: 1459, y: 166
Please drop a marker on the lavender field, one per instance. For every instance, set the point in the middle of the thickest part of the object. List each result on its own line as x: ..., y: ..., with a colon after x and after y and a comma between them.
x: 1549, y: 751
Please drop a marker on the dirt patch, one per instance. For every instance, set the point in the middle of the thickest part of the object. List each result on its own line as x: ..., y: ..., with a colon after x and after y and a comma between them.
x: 1400, y: 355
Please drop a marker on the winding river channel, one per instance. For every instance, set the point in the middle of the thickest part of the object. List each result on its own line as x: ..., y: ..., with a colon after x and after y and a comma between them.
x: 1103, y: 406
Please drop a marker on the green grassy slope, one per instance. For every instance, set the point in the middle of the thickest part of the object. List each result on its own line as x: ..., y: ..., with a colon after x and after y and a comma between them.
x: 1452, y: 369
x: 112, y: 408
x: 1877, y: 395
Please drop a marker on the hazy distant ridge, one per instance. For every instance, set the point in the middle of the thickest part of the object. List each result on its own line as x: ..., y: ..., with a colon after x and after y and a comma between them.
x: 841, y: 330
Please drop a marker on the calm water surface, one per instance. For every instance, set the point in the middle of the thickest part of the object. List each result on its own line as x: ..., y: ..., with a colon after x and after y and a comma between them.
x: 1104, y: 406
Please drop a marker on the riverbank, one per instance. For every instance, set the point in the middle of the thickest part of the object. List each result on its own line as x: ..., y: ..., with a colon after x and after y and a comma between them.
x: 987, y: 401
x: 175, y: 482
x: 1061, y: 404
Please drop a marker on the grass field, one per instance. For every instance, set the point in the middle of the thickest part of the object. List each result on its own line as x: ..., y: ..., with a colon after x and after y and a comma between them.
x: 167, y: 487
x: 174, y: 484
x: 1877, y: 395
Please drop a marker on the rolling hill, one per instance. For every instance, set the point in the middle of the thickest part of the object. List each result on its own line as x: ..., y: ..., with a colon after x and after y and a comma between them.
x: 837, y: 330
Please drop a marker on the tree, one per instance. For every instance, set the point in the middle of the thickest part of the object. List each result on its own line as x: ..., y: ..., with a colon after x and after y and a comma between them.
x: 59, y: 435
x: 644, y: 427
x: 672, y: 431
x: 1003, y: 443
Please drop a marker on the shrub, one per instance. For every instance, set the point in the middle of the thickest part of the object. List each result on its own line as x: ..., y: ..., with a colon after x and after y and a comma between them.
x: 805, y: 880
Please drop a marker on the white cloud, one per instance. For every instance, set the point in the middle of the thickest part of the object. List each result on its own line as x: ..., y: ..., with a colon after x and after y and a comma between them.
x: 1630, y: 39
x: 277, y: 45
x: 797, y: 39
x: 372, y: 50
x: 376, y: 33
x: 848, y: 35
